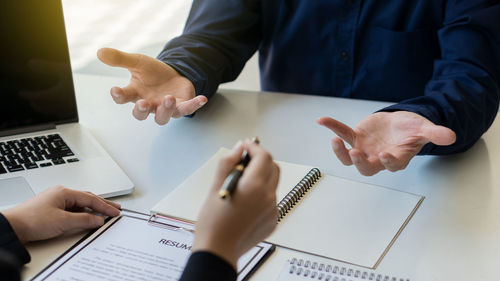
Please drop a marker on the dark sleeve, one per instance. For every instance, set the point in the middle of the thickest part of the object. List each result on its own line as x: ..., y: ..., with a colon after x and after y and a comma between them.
x: 205, y: 266
x: 9, y: 267
x: 10, y: 243
x: 464, y: 92
x: 218, y: 39
x: 12, y: 252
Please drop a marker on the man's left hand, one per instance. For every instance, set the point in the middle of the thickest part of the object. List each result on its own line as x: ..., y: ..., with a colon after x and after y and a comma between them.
x: 385, y: 140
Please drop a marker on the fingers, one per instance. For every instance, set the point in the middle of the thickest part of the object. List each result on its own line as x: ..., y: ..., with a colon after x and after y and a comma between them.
x: 438, y: 135
x: 227, y: 164
x: 341, y: 151
x: 113, y: 57
x: 366, y: 166
x: 81, y: 199
x: 190, y: 106
x: 141, y: 110
x: 392, y: 163
x: 114, y: 204
x: 165, y: 110
x: 83, y: 221
x: 275, y: 177
x: 260, y: 163
x: 123, y: 95
x: 343, y: 131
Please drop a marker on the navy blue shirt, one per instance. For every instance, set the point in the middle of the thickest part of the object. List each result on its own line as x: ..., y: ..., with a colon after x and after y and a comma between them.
x: 437, y: 58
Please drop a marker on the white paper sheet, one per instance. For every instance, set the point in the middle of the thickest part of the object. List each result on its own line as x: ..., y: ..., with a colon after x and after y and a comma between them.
x: 338, y: 218
x: 130, y: 248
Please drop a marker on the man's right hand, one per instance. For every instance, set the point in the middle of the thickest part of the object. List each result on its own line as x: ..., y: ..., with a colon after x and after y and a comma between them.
x: 155, y: 87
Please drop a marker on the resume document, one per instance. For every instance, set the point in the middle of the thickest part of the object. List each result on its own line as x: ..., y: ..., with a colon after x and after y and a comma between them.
x: 131, y: 247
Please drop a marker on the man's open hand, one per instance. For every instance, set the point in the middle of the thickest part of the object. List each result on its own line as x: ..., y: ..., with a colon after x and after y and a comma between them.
x: 155, y: 87
x: 385, y: 140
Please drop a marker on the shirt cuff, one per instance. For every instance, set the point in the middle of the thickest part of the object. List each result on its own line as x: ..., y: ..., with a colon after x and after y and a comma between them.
x: 207, y: 267
x: 185, y: 69
x: 9, y: 242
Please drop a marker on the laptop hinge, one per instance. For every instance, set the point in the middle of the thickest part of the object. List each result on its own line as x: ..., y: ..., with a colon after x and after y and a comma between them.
x: 27, y: 129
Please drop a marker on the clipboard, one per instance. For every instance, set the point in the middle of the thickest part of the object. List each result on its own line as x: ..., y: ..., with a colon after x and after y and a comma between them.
x: 138, y: 245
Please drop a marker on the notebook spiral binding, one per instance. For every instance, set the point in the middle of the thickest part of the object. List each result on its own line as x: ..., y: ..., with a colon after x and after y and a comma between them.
x: 294, y: 196
x: 327, y: 272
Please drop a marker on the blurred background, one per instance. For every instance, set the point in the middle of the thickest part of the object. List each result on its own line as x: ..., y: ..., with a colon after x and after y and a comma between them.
x: 142, y: 26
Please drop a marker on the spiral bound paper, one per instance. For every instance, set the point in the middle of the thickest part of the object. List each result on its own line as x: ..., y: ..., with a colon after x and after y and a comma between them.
x: 294, y: 196
x: 299, y: 269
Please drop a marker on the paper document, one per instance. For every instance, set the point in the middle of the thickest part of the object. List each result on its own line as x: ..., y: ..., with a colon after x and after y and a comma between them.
x: 131, y: 248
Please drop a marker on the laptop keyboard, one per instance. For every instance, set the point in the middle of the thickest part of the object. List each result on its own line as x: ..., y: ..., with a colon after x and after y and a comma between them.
x: 34, y: 152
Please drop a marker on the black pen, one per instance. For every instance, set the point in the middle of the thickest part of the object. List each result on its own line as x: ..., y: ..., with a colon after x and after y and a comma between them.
x: 229, y: 185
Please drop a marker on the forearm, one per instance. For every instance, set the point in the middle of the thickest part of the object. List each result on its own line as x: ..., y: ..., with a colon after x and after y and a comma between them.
x: 468, y: 115
x: 464, y: 92
x: 10, y: 243
x: 218, y: 39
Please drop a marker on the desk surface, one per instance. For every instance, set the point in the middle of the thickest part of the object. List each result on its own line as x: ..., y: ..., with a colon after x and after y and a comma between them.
x: 455, y: 235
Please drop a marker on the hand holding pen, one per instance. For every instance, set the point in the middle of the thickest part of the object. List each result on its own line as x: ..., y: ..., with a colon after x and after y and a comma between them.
x: 229, y: 228
x: 229, y: 185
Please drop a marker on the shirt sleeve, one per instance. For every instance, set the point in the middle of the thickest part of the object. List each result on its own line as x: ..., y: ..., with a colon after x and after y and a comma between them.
x: 9, y: 268
x: 218, y: 39
x: 205, y: 266
x: 9, y: 242
x: 464, y: 92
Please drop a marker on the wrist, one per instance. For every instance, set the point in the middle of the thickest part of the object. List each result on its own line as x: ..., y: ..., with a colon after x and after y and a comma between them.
x: 224, y: 250
x: 17, y: 223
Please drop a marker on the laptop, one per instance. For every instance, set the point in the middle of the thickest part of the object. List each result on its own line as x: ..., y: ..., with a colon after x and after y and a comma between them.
x: 41, y: 142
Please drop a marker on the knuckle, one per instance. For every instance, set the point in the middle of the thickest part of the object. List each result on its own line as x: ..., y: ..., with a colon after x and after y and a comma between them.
x: 90, y: 220
x: 267, y: 156
x: 271, y: 199
x: 394, y: 168
x: 224, y: 161
x: 62, y: 190
x: 365, y: 172
x: 140, y: 58
x: 277, y: 169
x: 59, y: 187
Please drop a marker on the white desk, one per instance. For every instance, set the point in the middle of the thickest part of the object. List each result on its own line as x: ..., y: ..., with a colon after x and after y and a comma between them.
x: 455, y: 235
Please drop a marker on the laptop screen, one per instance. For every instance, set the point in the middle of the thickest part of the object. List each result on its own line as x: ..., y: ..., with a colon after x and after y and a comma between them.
x: 36, y: 84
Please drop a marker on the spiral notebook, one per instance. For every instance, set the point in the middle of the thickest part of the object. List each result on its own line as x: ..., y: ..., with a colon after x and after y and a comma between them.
x: 320, y: 214
x: 300, y: 270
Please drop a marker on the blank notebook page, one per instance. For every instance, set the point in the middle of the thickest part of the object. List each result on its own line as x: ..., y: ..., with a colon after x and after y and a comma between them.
x: 338, y: 218
x: 343, y: 219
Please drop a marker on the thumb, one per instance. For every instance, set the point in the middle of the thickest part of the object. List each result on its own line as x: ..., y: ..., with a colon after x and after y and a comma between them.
x: 83, y: 221
x: 114, y: 57
x: 438, y: 135
x: 190, y: 106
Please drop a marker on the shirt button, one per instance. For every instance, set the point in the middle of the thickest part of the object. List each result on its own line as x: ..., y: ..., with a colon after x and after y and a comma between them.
x: 344, y: 56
